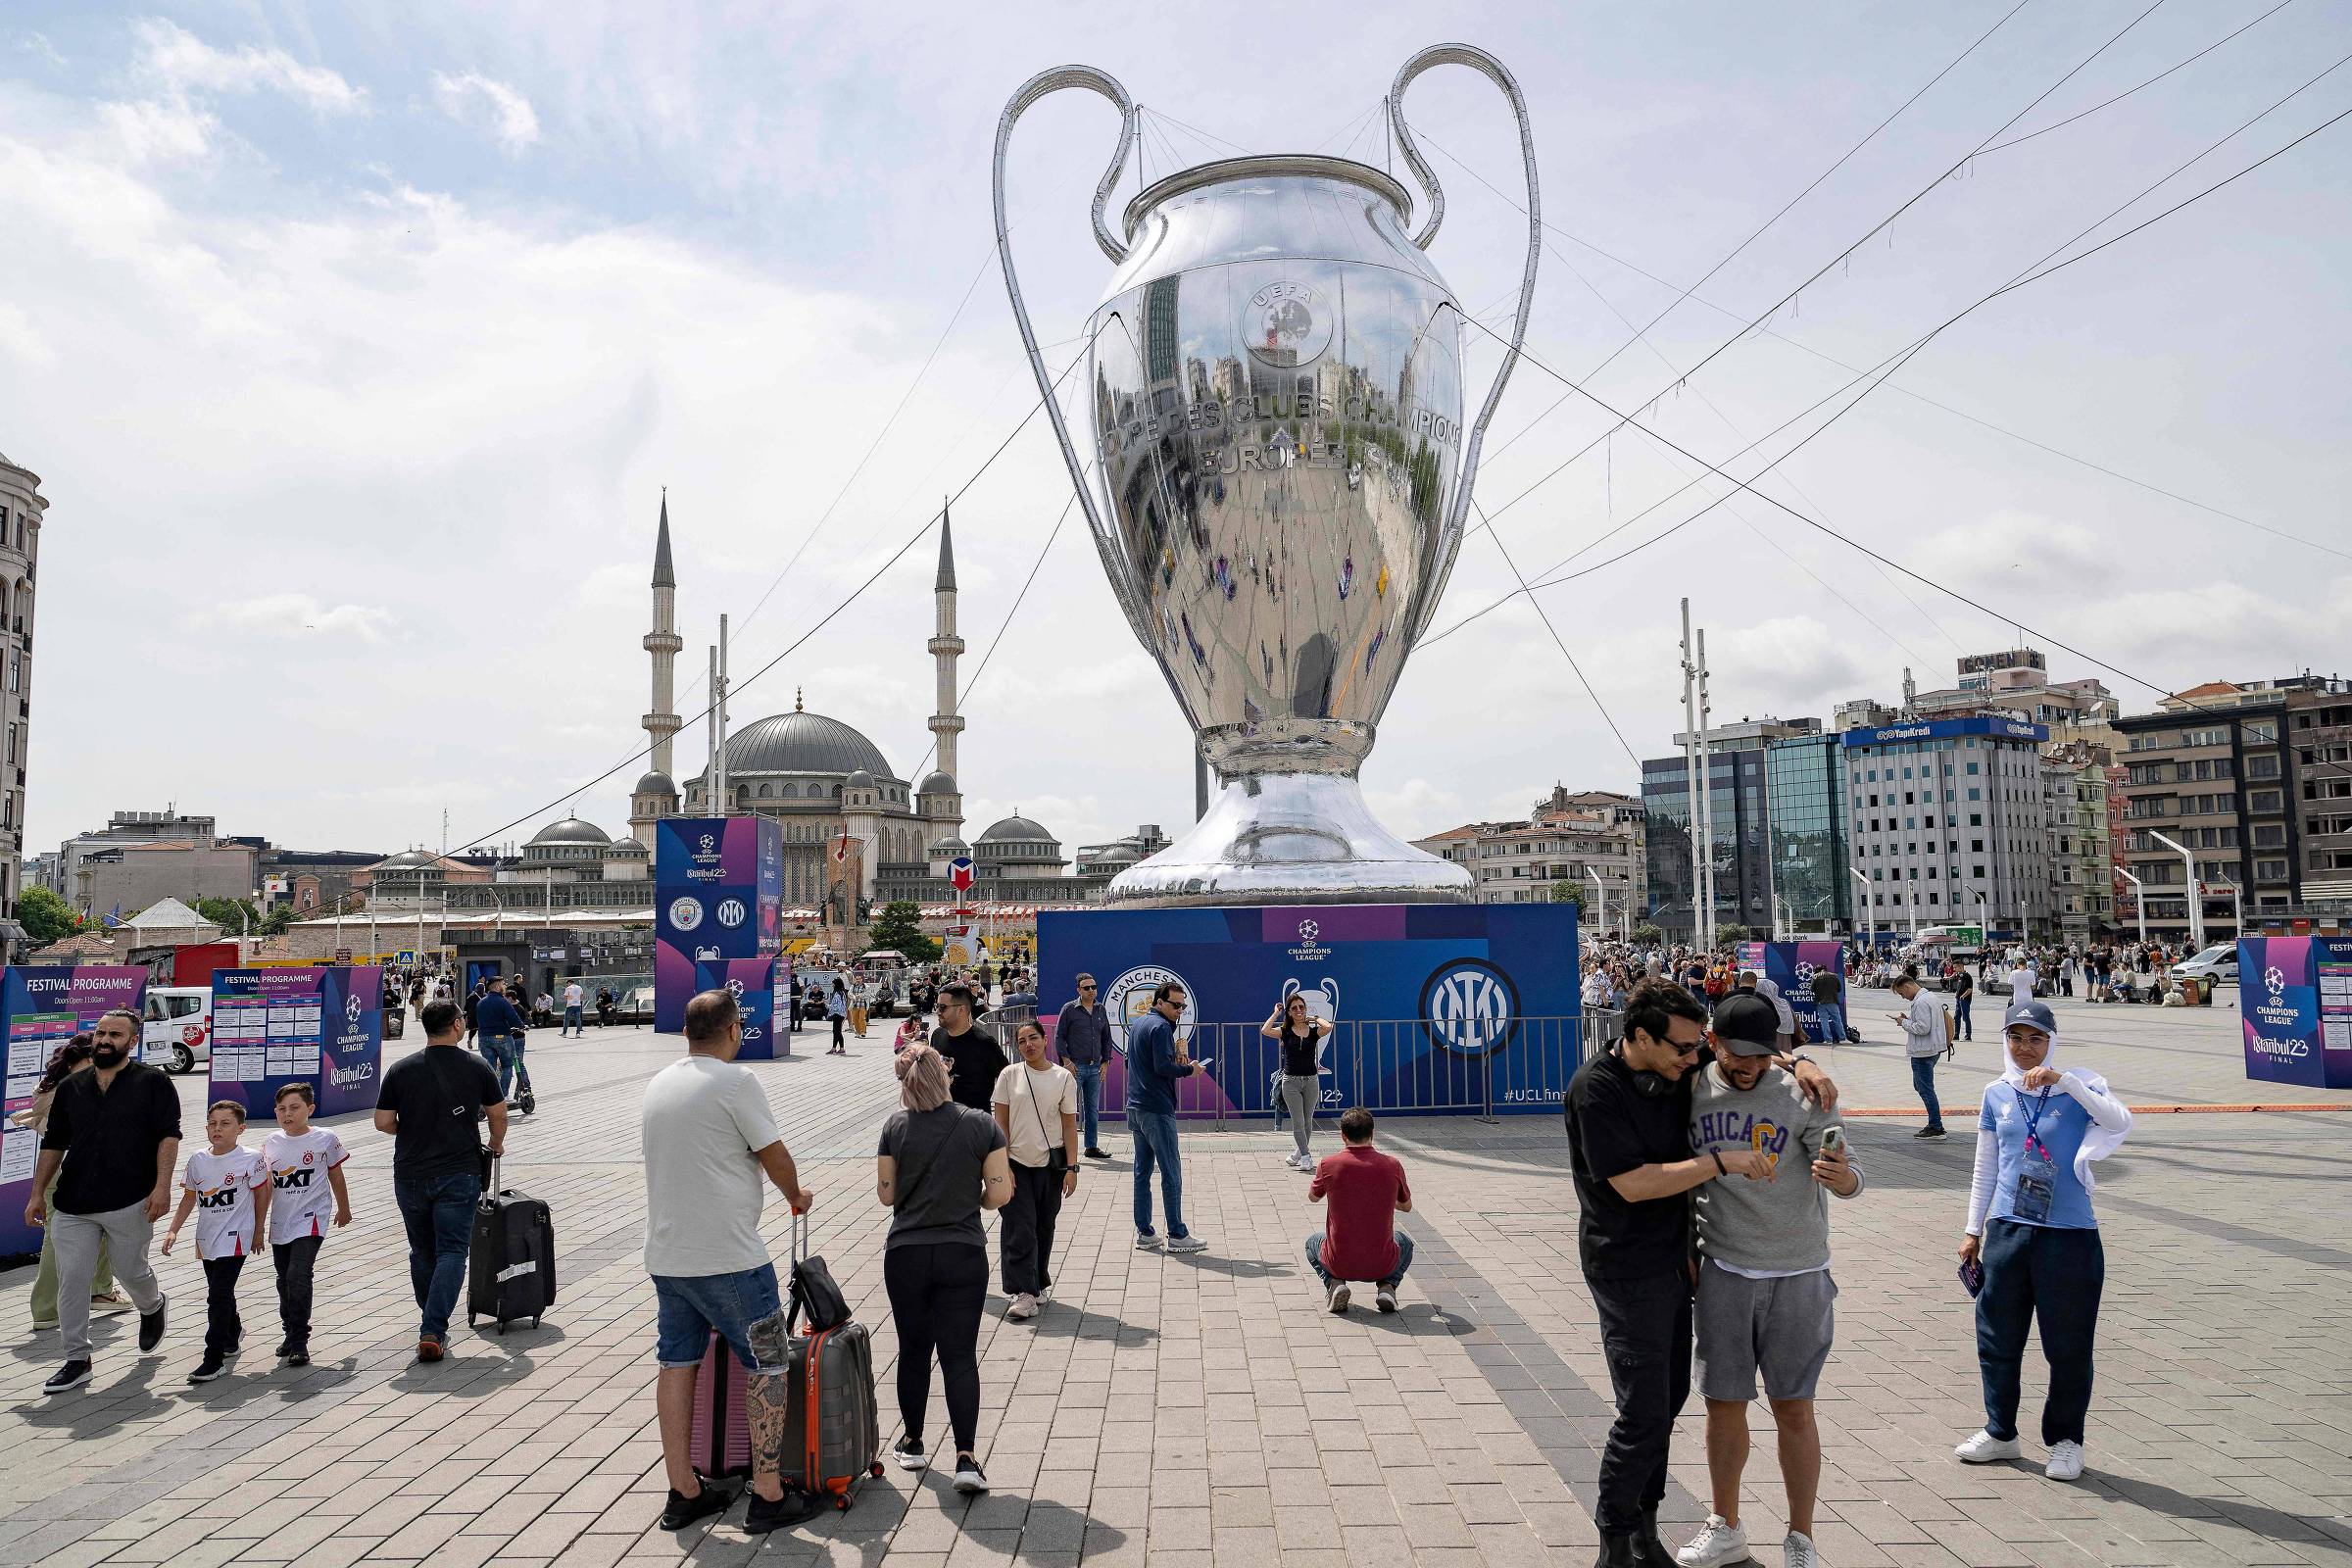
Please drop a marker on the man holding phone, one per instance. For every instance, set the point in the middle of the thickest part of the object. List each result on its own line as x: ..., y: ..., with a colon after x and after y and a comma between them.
x: 1764, y: 1288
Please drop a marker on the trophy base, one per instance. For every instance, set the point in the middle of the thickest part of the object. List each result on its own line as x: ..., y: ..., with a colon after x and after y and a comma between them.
x: 1289, y: 838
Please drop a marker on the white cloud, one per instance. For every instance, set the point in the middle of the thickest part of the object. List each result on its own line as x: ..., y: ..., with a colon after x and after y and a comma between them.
x: 470, y: 98
x: 160, y: 131
x: 181, y: 63
x: 2007, y: 550
x: 290, y: 615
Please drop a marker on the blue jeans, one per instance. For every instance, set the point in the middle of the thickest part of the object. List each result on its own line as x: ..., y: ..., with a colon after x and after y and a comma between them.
x: 1155, y: 1145
x: 1829, y: 1022
x: 743, y: 1308
x: 1968, y: 1029
x: 1923, y: 1079
x: 499, y: 1052
x: 1404, y: 1260
x: 1089, y: 1101
x: 439, y: 1214
x: 571, y: 1021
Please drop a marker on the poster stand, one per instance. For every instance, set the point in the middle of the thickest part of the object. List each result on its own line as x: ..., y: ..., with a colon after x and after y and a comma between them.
x: 41, y: 1008
x: 320, y: 1024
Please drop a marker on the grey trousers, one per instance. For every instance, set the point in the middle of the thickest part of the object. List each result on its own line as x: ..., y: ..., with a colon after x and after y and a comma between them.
x: 1300, y: 1096
x: 75, y: 1239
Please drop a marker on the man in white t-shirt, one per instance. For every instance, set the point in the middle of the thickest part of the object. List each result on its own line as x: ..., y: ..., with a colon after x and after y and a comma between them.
x: 708, y: 1139
x: 575, y: 997
x: 2021, y: 982
x: 1036, y: 1103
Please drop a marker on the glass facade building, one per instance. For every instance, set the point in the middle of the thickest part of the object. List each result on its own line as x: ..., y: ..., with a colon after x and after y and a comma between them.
x: 1806, y: 799
x: 1737, y: 797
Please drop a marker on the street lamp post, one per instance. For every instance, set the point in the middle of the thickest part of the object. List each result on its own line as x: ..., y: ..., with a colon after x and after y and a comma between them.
x: 2139, y: 903
x: 2197, y: 895
x: 1601, y: 893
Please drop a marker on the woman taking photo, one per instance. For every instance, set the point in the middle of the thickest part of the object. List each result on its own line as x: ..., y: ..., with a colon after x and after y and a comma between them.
x: 2031, y: 1228
x: 1036, y: 1104
x: 1302, y: 1034
x: 938, y: 1166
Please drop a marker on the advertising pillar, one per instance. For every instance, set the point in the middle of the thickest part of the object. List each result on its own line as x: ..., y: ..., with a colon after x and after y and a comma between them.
x: 1792, y: 967
x: 2294, y: 996
x: 41, y: 1008
x: 718, y: 893
x: 762, y: 989
x: 322, y: 1025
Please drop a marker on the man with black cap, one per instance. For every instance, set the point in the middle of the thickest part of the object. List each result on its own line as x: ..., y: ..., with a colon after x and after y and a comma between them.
x: 1628, y: 1112
x: 1764, y: 1290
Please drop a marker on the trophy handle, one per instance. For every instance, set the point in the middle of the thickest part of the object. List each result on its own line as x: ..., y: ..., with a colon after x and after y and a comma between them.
x: 1029, y: 92
x: 1476, y: 58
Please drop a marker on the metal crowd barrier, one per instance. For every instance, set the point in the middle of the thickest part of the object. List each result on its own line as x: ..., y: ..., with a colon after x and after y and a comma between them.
x: 1399, y: 1066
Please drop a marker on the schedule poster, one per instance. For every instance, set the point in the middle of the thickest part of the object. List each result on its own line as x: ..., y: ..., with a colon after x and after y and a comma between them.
x: 322, y: 1025
x: 41, y: 1009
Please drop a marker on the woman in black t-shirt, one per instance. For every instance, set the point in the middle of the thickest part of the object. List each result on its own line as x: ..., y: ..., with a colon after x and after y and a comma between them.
x: 1301, y: 1087
x: 938, y: 1166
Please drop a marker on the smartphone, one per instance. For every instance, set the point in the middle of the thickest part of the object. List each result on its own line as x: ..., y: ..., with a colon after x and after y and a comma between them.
x: 1832, y: 1140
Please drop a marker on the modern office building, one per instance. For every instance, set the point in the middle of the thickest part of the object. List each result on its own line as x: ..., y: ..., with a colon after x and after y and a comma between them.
x: 1804, y: 795
x: 1948, y: 824
x: 1736, y: 791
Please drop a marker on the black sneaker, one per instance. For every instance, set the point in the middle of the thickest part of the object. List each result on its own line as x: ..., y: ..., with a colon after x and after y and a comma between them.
x: 151, y: 1329
x: 298, y: 1358
x: 1932, y: 1135
x: 1098, y: 1154
x: 971, y: 1479
x: 786, y: 1512
x: 909, y: 1453
x: 210, y: 1367
x: 285, y: 1347
x: 714, y: 1497
x: 72, y: 1375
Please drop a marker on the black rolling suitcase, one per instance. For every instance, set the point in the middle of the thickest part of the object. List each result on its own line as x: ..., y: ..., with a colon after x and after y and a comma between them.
x: 513, y: 1270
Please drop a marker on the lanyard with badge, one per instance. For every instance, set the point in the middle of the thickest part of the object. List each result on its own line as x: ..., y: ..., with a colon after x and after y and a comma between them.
x: 2038, y: 1170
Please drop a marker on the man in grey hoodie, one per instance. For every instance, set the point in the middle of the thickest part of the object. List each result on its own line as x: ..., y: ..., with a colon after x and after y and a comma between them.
x: 1764, y: 1289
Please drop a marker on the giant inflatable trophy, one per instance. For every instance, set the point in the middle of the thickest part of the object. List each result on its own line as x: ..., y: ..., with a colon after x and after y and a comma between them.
x: 1274, y: 382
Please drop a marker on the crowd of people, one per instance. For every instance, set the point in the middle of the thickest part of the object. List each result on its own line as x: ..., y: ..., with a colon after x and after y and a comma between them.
x: 1703, y: 1146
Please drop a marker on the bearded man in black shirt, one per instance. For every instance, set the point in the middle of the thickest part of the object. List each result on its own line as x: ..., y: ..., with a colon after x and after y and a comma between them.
x: 1629, y: 1145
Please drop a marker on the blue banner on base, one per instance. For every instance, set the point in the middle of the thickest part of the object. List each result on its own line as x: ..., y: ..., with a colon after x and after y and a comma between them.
x: 718, y: 893
x: 2295, y: 997
x: 1436, y: 1009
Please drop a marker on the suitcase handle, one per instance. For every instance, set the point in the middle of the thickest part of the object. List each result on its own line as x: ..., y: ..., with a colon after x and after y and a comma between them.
x: 800, y: 1235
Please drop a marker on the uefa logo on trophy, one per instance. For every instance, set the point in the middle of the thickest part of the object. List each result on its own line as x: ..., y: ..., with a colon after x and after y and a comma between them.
x: 1273, y: 383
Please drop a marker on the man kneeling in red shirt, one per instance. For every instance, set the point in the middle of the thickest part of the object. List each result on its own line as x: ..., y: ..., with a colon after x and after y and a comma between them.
x: 1366, y: 1189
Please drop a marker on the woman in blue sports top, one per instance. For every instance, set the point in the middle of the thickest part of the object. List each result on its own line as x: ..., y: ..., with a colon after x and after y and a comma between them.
x: 2030, y: 1225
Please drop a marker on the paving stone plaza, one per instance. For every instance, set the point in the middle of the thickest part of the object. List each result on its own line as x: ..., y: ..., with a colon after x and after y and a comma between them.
x: 1180, y: 1410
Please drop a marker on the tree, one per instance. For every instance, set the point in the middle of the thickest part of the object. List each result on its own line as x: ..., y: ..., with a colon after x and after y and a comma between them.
x: 899, y: 927
x: 234, y: 916
x: 47, y: 916
x: 1732, y: 933
x: 1648, y: 934
x: 276, y: 922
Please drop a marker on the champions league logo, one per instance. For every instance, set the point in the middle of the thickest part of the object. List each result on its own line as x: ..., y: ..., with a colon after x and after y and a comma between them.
x: 1129, y: 998
x: 1469, y: 1007
x: 686, y: 913
x: 2275, y: 982
x: 1308, y: 931
x: 710, y: 841
x: 730, y: 913
x: 350, y: 1010
x: 1806, y: 969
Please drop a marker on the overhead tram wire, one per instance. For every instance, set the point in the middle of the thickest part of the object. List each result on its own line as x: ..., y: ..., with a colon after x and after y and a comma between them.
x: 2032, y: 278
x: 1874, y: 232
x: 1887, y: 366
x: 847, y: 600
x: 2150, y: 82
x: 1545, y: 615
x: 1852, y: 370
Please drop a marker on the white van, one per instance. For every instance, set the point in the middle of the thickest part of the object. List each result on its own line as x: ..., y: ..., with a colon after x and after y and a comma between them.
x: 178, y: 1029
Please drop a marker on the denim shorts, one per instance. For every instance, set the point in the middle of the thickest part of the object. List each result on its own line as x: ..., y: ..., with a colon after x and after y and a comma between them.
x: 690, y: 1307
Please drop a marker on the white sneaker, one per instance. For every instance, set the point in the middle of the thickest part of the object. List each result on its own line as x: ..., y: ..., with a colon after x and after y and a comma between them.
x: 2065, y: 1462
x: 1023, y: 1307
x: 1148, y: 1240
x: 1187, y: 1243
x: 1796, y: 1552
x: 1719, y: 1543
x: 1337, y: 1301
x: 1385, y: 1299
x: 1982, y: 1447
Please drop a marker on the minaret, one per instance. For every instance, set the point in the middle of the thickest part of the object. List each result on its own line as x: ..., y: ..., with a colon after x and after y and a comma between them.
x: 945, y: 644
x: 664, y: 644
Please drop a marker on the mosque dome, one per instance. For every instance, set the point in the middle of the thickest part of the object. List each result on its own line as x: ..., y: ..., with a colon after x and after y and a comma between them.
x: 936, y: 783
x: 571, y: 830
x: 801, y: 743
x: 860, y: 780
x: 655, y: 782
x: 1018, y: 829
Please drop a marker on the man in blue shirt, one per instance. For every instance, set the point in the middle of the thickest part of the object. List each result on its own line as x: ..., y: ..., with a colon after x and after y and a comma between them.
x: 496, y: 1023
x: 1156, y: 1063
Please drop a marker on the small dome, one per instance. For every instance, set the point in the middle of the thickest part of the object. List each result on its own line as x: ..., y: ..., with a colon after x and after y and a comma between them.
x: 408, y: 860
x: 625, y: 847
x: 1017, y: 828
x: 655, y: 782
x: 950, y: 847
x: 860, y: 780
x: 571, y: 830
x: 937, y: 783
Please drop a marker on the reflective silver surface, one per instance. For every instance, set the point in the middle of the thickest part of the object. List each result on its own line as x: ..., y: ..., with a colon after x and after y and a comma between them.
x: 1274, y: 387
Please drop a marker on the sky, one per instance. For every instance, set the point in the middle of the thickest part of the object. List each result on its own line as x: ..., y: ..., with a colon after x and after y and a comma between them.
x: 355, y: 344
